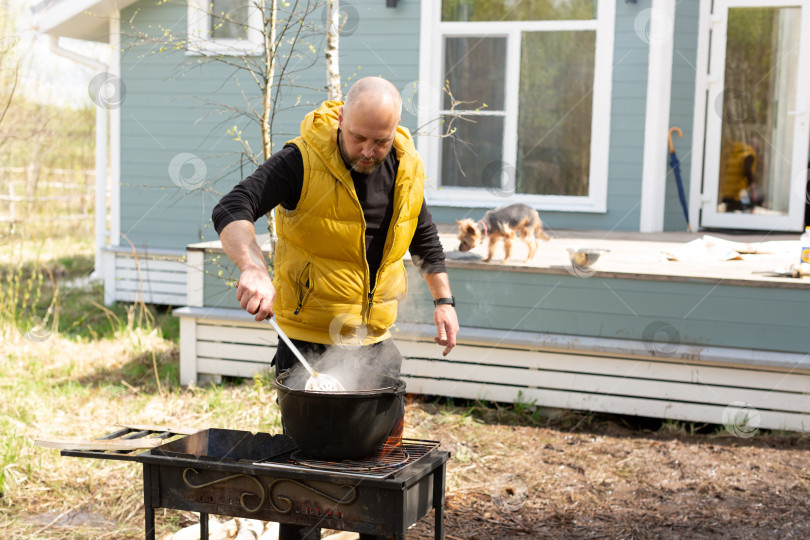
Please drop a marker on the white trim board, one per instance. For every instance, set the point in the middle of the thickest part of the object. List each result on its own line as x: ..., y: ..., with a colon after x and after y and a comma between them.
x: 705, y: 23
x: 656, y: 124
x: 487, y: 339
x: 115, y: 136
x: 671, y: 410
x: 79, y: 19
x: 196, y: 278
x: 624, y: 348
x: 147, y: 251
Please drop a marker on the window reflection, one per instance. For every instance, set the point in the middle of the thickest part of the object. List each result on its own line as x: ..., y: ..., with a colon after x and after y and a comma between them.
x: 517, y: 10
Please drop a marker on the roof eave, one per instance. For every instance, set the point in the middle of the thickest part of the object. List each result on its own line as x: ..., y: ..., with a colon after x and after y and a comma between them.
x: 79, y: 19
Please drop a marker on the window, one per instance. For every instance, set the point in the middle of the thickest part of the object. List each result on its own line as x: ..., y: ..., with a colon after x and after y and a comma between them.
x: 475, y: 70
x: 525, y: 86
x: 227, y: 27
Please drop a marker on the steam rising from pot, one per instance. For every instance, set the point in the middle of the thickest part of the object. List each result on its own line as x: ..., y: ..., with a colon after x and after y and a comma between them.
x: 357, y: 369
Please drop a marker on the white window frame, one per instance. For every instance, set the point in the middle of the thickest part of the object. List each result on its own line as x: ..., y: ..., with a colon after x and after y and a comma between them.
x: 199, y: 30
x: 433, y: 32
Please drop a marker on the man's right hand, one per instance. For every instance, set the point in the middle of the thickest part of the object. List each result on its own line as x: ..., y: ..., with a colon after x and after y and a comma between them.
x: 255, y: 293
x: 254, y: 290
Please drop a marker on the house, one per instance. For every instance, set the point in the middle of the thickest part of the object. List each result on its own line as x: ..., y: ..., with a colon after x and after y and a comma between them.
x: 566, y: 106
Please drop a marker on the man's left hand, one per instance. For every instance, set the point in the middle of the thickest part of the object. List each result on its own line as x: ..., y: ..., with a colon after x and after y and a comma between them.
x: 444, y: 316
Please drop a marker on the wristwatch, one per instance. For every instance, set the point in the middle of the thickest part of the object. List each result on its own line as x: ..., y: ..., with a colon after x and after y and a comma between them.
x: 440, y: 301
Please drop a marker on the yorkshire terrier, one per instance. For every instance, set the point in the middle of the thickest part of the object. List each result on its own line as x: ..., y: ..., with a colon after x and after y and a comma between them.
x: 502, y: 224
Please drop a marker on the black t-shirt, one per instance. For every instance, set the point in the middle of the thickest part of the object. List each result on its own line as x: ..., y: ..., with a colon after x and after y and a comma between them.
x: 279, y: 180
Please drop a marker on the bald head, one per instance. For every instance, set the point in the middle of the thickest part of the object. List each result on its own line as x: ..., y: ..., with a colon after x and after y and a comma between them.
x: 368, y: 121
x: 374, y: 95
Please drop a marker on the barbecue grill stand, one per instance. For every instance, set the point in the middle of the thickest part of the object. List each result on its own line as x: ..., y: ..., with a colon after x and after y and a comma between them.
x: 241, y: 474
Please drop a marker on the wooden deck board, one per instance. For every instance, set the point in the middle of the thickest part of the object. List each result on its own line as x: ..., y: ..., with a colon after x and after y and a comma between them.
x: 643, y: 256
x: 631, y: 256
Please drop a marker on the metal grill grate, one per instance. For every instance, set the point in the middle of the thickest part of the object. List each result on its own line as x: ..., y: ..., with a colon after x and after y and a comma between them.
x: 385, y: 458
x: 387, y: 461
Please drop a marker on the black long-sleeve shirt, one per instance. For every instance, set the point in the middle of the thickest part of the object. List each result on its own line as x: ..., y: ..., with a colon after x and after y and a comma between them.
x: 280, y: 180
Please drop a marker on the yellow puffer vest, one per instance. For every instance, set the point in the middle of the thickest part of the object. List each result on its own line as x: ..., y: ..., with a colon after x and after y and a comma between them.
x: 321, y: 274
x: 732, y: 177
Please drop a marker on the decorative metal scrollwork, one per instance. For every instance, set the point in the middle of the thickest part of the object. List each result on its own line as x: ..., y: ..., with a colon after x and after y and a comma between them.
x: 348, y: 498
x: 227, y: 478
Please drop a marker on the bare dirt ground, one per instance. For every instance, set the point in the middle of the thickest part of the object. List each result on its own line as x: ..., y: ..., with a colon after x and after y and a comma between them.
x: 609, y: 477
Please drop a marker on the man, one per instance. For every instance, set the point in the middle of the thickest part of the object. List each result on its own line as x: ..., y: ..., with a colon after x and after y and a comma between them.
x: 739, y: 190
x: 349, y: 199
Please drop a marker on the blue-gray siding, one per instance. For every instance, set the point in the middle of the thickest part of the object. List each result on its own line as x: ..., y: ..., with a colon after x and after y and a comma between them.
x: 160, y: 119
x: 681, y: 113
x: 168, y: 110
x: 690, y: 311
x: 701, y: 313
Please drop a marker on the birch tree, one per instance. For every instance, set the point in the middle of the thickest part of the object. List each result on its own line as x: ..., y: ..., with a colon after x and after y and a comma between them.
x: 333, y: 26
x: 286, y: 33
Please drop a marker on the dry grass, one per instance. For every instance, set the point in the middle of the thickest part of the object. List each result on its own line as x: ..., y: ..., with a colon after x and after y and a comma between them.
x: 96, y: 368
x: 64, y: 388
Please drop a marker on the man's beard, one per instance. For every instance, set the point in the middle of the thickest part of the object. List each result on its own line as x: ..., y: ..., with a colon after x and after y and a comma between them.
x: 365, y: 168
x: 354, y: 163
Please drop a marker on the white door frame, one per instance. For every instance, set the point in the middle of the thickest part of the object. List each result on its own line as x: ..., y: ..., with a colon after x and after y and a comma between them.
x: 709, y: 88
x: 699, y: 116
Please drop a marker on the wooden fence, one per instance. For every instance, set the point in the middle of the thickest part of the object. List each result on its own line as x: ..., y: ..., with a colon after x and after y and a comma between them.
x: 47, y: 195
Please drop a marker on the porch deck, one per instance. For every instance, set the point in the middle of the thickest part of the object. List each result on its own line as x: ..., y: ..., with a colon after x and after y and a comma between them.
x: 641, y: 335
x: 635, y: 255
x: 631, y: 255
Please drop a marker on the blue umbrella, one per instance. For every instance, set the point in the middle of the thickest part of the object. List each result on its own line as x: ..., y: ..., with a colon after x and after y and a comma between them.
x: 676, y: 168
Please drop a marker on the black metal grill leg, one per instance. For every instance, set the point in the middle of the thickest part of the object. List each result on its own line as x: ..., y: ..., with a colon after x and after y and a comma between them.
x: 148, y: 510
x: 438, y: 502
x: 203, y: 526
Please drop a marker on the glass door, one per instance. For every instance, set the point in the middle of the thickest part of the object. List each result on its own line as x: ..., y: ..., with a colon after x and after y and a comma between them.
x: 757, y: 133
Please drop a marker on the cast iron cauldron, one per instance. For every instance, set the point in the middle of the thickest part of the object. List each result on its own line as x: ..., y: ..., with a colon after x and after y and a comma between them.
x: 340, y: 425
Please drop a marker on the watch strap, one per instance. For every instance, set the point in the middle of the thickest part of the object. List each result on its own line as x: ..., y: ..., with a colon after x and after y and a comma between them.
x: 440, y: 301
